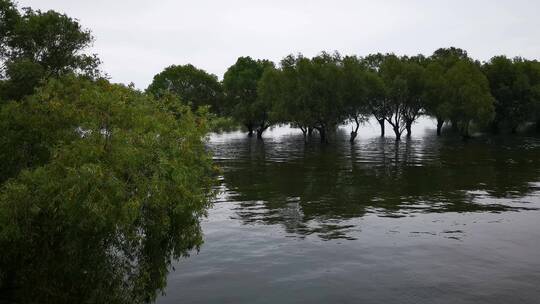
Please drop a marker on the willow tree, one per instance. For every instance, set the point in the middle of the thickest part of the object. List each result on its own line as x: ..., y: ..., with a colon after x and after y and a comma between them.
x: 355, y: 93
x: 194, y: 86
x: 310, y: 92
x: 293, y: 106
x: 36, y: 45
x: 106, y: 186
x: 446, y: 58
x: 240, y: 85
x: 415, y: 76
x: 403, y: 79
x: 470, y: 96
x: 377, y: 101
x: 436, y: 95
x: 515, y: 85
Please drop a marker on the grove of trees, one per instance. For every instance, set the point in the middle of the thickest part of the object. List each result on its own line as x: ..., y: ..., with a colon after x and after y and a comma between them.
x: 102, y: 185
x: 329, y: 90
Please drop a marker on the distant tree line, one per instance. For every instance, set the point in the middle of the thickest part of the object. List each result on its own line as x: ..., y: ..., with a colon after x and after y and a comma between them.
x: 329, y: 90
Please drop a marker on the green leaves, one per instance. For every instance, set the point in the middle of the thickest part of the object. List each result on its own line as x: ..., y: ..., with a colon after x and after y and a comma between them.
x: 470, y: 95
x: 36, y: 45
x: 306, y: 92
x: 513, y: 84
x: 457, y: 90
x: 240, y: 84
x: 110, y: 186
x: 193, y: 86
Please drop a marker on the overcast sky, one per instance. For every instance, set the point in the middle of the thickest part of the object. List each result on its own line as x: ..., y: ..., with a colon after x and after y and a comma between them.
x: 138, y: 38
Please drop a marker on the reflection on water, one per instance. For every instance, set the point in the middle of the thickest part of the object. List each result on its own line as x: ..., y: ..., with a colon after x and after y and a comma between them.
x: 428, y: 218
x: 309, y: 188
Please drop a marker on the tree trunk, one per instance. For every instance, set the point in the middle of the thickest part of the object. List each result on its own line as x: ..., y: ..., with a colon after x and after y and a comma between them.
x: 465, y: 133
x: 455, y: 125
x: 250, y: 130
x: 354, y: 132
x: 440, y: 123
x: 304, y: 132
x: 353, y: 136
x: 408, y: 127
x: 381, y: 123
x: 261, y: 129
x: 322, y: 133
x: 398, y: 134
x: 310, y: 131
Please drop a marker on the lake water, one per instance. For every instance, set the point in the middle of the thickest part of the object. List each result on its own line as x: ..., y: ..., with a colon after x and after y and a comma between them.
x: 430, y: 220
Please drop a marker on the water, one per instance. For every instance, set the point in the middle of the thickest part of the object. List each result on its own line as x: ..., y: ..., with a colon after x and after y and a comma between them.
x: 431, y: 220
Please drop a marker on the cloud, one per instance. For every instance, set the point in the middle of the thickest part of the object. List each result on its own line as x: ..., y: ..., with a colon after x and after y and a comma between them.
x: 138, y: 38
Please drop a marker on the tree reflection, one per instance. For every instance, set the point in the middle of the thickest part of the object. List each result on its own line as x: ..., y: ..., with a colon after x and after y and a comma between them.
x: 318, y: 188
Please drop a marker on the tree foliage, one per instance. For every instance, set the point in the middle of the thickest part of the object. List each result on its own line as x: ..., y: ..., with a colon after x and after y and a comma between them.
x: 436, y: 95
x: 311, y: 92
x: 356, y: 91
x: 469, y: 95
x: 515, y: 84
x: 191, y: 85
x: 108, y: 185
x: 240, y: 84
x: 328, y: 90
x: 404, y: 81
x: 36, y: 45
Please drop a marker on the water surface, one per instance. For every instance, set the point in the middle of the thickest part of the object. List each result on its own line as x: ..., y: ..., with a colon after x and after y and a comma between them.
x: 429, y: 220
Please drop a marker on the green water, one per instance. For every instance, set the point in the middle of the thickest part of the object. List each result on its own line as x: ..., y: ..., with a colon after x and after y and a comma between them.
x: 429, y: 220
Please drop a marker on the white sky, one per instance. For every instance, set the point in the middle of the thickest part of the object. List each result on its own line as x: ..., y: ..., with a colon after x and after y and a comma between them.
x: 138, y: 38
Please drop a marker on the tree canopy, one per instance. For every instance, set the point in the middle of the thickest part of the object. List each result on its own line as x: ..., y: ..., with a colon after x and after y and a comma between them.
x: 102, y: 185
x: 36, y: 45
x: 311, y: 93
x: 240, y: 84
x: 515, y: 85
x: 106, y: 185
x: 329, y: 90
x: 191, y: 85
x: 469, y: 95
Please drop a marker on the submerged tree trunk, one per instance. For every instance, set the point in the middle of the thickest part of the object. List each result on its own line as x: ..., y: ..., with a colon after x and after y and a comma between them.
x: 323, y: 134
x: 353, y: 136
x: 397, y: 132
x: 408, y: 127
x: 261, y: 129
x: 304, y: 132
x: 324, y: 139
x: 381, y: 123
x: 466, y: 132
x: 440, y: 123
x: 250, y: 129
x: 455, y: 125
x: 354, y: 132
